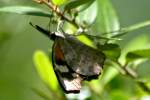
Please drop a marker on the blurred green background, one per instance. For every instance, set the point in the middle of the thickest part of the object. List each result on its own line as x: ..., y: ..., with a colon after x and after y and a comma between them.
x: 18, y: 42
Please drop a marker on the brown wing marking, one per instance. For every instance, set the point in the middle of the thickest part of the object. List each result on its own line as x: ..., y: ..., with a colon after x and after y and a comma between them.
x: 59, y: 56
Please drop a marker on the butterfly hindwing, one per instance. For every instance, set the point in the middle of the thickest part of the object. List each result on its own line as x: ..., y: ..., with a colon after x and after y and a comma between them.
x: 69, y: 81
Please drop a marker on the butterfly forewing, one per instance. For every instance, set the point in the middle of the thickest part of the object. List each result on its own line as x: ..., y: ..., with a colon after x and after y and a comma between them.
x: 81, y: 58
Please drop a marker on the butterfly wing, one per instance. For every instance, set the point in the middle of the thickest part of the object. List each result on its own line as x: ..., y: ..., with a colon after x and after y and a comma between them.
x: 69, y: 81
x: 81, y: 58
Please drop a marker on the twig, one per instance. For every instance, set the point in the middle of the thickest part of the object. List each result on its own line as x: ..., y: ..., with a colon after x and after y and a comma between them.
x: 131, y: 73
x: 58, y: 12
x: 144, y: 87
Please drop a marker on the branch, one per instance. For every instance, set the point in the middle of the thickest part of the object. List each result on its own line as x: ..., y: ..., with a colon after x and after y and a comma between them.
x: 144, y: 86
x: 131, y: 73
x: 57, y: 11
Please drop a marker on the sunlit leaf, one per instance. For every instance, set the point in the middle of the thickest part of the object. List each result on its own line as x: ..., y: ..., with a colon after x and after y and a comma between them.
x: 75, y: 3
x: 70, y: 29
x: 107, y: 20
x: 25, y: 10
x: 88, y: 16
x: 83, y: 38
x: 59, y: 2
x: 138, y: 54
x: 45, y: 69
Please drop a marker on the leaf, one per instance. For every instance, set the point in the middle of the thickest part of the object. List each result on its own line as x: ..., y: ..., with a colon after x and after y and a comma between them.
x: 83, y: 38
x: 70, y: 29
x: 108, y: 75
x: 95, y: 37
x: 119, y: 94
x: 85, y: 6
x: 24, y: 10
x: 107, y: 18
x: 45, y: 69
x: 136, y: 43
x: 83, y: 17
x: 112, y: 51
x: 138, y: 54
x: 41, y: 94
x: 75, y: 3
x: 125, y: 30
x: 59, y: 2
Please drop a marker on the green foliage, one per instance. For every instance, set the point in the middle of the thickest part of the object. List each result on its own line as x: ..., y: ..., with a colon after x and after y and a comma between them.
x: 45, y: 70
x: 108, y: 20
x: 75, y: 3
x: 143, y: 43
x: 83, y: 17
x: 25, y: 11
x: 86, y: 40
x: 59, y: 2
x: 112, y: 51
x: 119, y: 95
x: 138, y: 54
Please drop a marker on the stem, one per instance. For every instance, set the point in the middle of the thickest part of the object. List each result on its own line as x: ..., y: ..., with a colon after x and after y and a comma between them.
x: 59, y: 13
x: 144, y: 87
x: 131, y: 73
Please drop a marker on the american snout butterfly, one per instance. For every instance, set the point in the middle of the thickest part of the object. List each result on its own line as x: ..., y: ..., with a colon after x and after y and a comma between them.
x: 73, y: 61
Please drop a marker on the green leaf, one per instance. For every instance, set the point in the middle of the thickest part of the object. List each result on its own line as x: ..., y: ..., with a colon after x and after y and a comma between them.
x: 45, y: 69
x: 108, y: 75
x: 107, y: 18
x: 119, y: 95
x: 138, y: 54
x: 59, y: 2
x: 84, y: 39
x: 83, y: 17
x: 85, y: 6
x: 112, y: 51
x: 41, y: 94
x: 24, y: 10
x: 136, y: 43
x: 75, y: 3
x: 125, y: 30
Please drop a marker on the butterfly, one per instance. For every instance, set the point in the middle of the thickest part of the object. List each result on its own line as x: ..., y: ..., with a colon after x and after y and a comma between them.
x: 73, y: 61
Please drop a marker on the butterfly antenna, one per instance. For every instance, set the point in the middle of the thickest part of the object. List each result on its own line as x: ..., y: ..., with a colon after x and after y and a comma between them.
x: 40, y: 29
